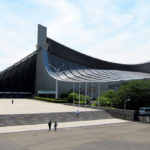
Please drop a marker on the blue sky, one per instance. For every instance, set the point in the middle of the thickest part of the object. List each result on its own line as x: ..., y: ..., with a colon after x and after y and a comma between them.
x: 112, y: 30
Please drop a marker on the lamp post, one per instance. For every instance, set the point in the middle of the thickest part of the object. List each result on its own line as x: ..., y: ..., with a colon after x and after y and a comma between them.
x: 98, y: 95
x: 85, y: 92
x: 79, y: 94
x: 125, y: 103
x: 92, y: 90
x: 73, y: 92
x: 57, y: 72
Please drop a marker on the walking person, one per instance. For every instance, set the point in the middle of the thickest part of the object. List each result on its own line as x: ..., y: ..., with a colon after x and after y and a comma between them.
x: 50, y: 125
x: 55, y: 126
x: 77, y: 113
x: 12, y: 101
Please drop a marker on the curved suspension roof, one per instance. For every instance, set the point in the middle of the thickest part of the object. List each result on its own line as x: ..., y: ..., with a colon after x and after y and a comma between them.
x: 65, y: 64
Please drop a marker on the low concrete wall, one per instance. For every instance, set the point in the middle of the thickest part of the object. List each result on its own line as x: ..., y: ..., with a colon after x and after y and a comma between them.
x: 131, y: 115
x: 122, y: 114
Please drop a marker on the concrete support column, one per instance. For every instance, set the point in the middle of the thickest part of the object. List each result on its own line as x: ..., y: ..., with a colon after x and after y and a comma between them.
x: 56, y: 95
x: 98, y: 95
x: 85, y: 92
x: 92, y: 90
x: 79, y: 93
x: 73, y: 92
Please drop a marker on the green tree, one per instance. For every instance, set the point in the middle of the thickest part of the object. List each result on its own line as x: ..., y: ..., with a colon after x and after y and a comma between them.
x: 76, y: 97
x: 138, y: 91
x: 73, y: 95
x: 107, y: 99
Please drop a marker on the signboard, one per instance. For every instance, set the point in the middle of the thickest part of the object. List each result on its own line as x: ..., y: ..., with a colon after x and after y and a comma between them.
x: 46, y: 92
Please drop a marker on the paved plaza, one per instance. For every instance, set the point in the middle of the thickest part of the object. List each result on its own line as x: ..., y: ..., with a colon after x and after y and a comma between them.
x: 32, y: 112
x: 24, y: 127
x: 29, y: 106
x: 21, y: 128
x: 124, y: 136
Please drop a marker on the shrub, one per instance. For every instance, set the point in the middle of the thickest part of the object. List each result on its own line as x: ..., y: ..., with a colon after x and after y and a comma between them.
x: 107, y: 99
x: 76, y: 97
x: 71, y: 95
x: 63, y: 95
x: 87, y: 99
x: 81, y: 102
x: 51, y: 100
x: 82, y: 98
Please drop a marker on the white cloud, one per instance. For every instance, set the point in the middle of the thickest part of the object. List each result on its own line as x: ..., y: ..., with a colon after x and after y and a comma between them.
x: 115, y: 31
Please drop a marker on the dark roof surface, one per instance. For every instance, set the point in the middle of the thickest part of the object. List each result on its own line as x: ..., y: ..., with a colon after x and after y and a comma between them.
x: 77, y: 57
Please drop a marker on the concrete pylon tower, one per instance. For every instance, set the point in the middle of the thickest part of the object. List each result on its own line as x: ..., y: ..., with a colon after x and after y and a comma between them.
x: 41, y: 38
x: 43, y: 80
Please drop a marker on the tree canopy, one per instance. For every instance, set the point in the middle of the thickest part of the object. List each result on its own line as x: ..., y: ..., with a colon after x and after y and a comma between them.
x: 138, y: 91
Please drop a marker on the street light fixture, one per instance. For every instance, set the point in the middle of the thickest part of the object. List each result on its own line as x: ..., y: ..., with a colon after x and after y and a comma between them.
x: 125, y: 103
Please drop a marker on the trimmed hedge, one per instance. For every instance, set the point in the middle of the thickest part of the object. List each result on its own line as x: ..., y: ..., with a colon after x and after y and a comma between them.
x: 51, y: 100
x: 81, y: 102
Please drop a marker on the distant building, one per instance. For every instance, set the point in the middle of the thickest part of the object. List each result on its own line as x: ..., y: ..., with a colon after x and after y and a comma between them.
x: 54, y: 69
